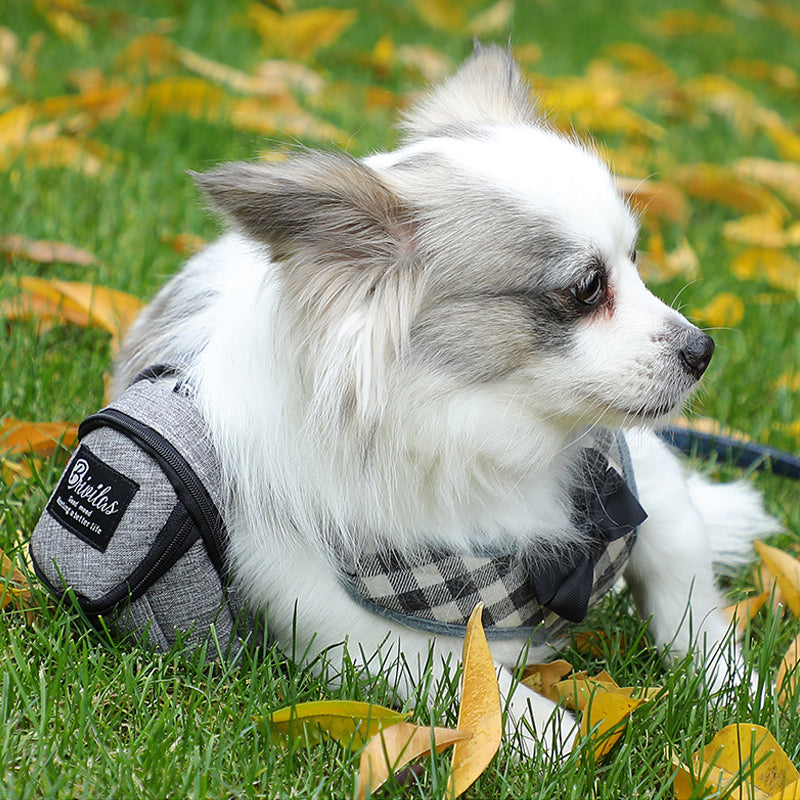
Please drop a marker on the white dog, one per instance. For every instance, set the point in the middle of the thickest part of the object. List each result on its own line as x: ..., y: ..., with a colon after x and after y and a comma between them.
x: 413, y: 367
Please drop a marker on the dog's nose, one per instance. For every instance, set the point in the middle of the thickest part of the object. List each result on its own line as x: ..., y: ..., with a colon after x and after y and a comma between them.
x: 696, y: 352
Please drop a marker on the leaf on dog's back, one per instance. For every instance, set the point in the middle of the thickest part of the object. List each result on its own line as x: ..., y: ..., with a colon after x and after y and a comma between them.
x: 393, y: 747
x: 786, y: 570
x: 349, y: 722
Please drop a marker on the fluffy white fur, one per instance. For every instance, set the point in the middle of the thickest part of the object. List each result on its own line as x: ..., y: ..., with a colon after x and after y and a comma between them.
x: 392, y: 350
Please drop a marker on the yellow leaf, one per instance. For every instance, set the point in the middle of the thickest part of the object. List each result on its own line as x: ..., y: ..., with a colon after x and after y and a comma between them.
x: 300, y: 34
x: 774, y: 266
x: 783, y: 136
x: 427, y: 62
x: 197, y: 98
x: 658, y: 263
x: 479, y: 713
x: 542, y: 678
x: 787, y: 679
x: 15, y: 124
x: 349, y: 722
x: 395, y: 746
x: 762, y: 230
x: 682, y: 22
x: 111, y: 309
x: 726, y: 310
x: 655, y: 197
x: 39, y: 438
x: 383, y: 56
x: 262, y: 116
x: 721, y: 185
x: 45, y: 251
x: 780, y: 176
x: 742, y: 761
x: 602, y: 719
x: 744, y: 611
x: 779, y: 75
x: 786, y: 570
x: 14, y: 586
x: 495, y: 19
x: 446, y: 15
x: 577, y: 690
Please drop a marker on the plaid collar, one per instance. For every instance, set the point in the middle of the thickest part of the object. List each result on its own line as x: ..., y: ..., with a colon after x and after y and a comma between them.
x: 523, y: 593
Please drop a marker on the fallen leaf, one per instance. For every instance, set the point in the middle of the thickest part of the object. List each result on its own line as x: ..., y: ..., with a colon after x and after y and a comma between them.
x: 300, y: 34
x: 479, y: 713
x: 726, y: 310
x: 658, y: 263
x: 740, y: 757
x: 395, y: 746
x: 778, y: 268
x: 786, y: 682
x: 681, y: 22
x: 495, y: 19
x: 14, y: 586
x: 444, y: 15
x: 45, y: 252
x: 111, y: 309
x: 762, y: 230
x: 778, y: 75
x: 425, y: 61
x: 185, y: 244
x: 39, y: 438
x: 349, y: 722
x: 780, y: 176
x: 743, y: 612
x: 786, y: 570
x: 542, y: 678
x: 655, y: 198
x: 604, y: 704
x: 721, y: 185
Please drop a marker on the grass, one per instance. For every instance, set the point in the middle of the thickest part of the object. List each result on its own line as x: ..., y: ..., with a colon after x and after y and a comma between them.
x: 84, y: 716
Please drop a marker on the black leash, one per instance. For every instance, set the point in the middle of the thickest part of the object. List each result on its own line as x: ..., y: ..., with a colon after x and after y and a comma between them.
x: 736, y: 451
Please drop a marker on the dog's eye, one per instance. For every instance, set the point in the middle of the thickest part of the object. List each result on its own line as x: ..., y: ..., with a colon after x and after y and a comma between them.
x: 590, y: 291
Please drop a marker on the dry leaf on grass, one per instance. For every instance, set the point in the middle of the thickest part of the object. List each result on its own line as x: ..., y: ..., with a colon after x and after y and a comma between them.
x: 38, y: 438
x: 604, y: 704
x: 542, y: 678
x: 743, y: 612
x: 786, y: 570
x: 393, y: 747
x: 82, y: 304
x: 480, y: 711
x: 741, y: 761
x: 45, y: 252
x: 349, y: 722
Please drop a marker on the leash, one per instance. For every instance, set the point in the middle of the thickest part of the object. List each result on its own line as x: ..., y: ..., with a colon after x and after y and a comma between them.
x: 735, y: 450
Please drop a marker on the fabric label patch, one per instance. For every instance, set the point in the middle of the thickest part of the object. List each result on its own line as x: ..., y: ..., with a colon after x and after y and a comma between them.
x: 91, y: 498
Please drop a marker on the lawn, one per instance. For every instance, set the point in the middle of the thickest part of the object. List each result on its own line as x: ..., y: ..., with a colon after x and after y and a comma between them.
x: 103, y: 109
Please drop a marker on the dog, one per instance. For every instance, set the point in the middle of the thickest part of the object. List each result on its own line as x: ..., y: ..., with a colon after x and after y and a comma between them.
x: 414, y: 355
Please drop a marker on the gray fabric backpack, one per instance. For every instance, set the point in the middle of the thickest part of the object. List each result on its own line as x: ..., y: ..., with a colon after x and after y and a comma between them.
x: 133, y: 529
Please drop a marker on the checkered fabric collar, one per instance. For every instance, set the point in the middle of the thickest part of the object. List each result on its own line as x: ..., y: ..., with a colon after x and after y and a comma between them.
x: 523, y: 595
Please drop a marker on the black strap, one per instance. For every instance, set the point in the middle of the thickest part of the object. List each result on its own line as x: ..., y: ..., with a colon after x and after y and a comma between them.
x: 739, y: 453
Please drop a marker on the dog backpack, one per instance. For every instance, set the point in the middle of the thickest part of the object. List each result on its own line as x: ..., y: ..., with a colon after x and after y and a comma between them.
x: 133, y: 529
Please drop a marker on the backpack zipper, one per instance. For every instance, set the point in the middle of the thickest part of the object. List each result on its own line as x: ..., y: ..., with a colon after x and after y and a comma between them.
x: 187, y: 485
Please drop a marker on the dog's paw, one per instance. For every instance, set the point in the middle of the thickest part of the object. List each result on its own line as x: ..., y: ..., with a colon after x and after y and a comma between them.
x: 538, y: 727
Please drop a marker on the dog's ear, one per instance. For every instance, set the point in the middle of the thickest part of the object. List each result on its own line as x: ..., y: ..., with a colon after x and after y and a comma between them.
x: 345, y: 247
x: 488, y: 87
x: 324, y: 205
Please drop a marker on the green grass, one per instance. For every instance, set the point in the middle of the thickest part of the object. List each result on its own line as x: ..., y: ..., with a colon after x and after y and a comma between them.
x: 83, y: 716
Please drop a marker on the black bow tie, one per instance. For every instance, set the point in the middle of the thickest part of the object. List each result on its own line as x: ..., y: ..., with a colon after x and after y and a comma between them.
x: 604, y: 509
